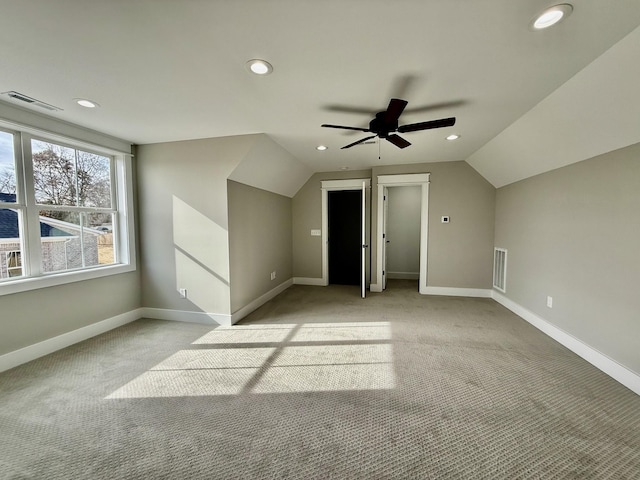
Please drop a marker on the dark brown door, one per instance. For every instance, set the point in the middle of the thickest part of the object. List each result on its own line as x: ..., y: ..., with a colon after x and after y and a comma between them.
x: 345, y: 236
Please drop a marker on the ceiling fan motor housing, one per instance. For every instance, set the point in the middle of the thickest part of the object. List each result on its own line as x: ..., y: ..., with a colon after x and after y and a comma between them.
x: 381, y: 126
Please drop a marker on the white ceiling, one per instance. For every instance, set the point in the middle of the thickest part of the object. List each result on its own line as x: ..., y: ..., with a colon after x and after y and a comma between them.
x: 165, y: 70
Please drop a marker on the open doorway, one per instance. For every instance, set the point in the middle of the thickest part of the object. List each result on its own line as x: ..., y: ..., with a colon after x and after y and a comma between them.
x: 385, y: 184
x: 402, y: 235
x: 345, y: 237
x: 332, y: 237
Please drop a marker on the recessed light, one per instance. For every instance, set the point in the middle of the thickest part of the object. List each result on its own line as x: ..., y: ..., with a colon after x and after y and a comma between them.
x: 551, y: 16
x: 322, y: 148
x: 453, y: 136
x: 259, y: 67
x: 83, y: 102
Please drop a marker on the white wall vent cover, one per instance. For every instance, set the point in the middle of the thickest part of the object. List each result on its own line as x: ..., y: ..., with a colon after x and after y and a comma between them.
x: 31, y: 101
x: 500, y: 269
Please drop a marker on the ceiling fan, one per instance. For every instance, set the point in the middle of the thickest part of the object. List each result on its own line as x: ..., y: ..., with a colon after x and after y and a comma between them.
x: 386, y: 123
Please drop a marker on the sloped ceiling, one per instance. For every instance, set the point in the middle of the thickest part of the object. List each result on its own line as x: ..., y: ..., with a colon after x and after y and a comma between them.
x: 165, y: 70
x: 595, y: 112
x: 269, y: 167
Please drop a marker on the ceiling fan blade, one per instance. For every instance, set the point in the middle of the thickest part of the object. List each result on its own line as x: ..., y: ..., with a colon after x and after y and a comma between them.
x: 359, y: 141
x: 349, y: 109
x: 345, y: 128
x: 403, y: 85
x: 414, y: 127
x: 394, y: 110
x: 398, y: 141
x: 436, y: 106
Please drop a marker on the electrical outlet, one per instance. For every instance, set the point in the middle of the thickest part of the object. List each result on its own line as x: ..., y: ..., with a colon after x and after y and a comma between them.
x: 550, y: 302
x: 273, y: 275
x: 183, y: 292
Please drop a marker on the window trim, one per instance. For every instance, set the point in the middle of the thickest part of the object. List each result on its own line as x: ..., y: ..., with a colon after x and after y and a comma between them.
x: 124, y: 244
x: 18, y: 254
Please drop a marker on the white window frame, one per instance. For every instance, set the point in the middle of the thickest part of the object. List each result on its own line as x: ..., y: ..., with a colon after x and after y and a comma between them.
x: 19, y: 256
x: 28, y: 212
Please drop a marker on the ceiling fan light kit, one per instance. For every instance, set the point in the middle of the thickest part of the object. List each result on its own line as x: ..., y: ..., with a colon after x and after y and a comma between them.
x: 385, y: 124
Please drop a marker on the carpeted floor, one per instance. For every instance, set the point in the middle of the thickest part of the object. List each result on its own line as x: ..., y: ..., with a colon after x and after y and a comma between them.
x: 321, y: 384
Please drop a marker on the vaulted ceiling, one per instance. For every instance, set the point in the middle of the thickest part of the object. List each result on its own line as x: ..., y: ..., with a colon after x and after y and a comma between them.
x: 166, y: 70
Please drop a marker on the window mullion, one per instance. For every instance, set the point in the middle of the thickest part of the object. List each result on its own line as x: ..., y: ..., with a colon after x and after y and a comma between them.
x: 31, y: 228
x: 70, y: 208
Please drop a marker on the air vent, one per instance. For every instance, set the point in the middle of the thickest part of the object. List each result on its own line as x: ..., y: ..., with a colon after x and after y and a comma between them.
x: 32, y: 101
x: 500, y: 269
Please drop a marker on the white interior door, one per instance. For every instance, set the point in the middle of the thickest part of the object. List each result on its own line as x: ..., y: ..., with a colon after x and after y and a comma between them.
x: 385, y: 240
x: 363, y: 278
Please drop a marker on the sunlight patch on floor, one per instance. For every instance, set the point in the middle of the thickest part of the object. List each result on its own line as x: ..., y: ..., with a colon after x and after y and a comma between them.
x: 291, y: 358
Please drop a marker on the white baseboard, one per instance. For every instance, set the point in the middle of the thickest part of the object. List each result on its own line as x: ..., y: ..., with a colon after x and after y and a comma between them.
x: 457, y: 292
x: 618, y: 372
x: 257, y: 303
x: 37, y: 350
x: 187, y: 316
x: 318, y: 282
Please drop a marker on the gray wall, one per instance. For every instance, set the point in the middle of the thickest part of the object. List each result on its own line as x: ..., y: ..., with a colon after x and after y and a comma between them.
x: 574, y: 234
x: 34, y: 316
x: 183, y: 222
x: 30, y: 317
x: 307, y: 215
x: 260, y: 242
x: 460, y: 254
x: 403, y: 232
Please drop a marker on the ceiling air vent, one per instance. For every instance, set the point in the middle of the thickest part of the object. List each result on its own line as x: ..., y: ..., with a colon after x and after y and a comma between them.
x: 32, y: 101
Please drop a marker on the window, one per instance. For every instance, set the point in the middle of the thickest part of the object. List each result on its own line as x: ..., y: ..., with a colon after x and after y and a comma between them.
x: 64, y: 210
x: 10, y: 218
x: 74, y: 192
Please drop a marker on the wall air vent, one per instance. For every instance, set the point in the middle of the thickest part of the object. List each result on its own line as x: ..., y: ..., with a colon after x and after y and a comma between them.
x: 32, y: 101
x: 500, y: 269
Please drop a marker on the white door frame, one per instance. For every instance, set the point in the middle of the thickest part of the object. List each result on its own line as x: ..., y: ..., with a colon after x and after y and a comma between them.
x: 415, y: 179
x: 333, y: 185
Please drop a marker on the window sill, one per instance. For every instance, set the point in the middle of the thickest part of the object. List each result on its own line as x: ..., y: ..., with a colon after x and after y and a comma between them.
x: 51, y: 280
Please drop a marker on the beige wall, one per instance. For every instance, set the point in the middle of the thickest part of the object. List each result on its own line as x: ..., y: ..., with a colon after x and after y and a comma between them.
x: 260, y: 242
x: 307, y: 215
x: 460, y: 254
x: 33, y: 316
x: 403, y: 232
x: 30, y: 317
x: 183, y: 222
x: 574, y: 234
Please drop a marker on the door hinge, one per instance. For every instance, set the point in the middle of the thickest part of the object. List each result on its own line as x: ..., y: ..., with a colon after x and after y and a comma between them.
x: 384, y: 235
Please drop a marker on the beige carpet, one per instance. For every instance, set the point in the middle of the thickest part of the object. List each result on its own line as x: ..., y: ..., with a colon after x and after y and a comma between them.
x: 321, y: 384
